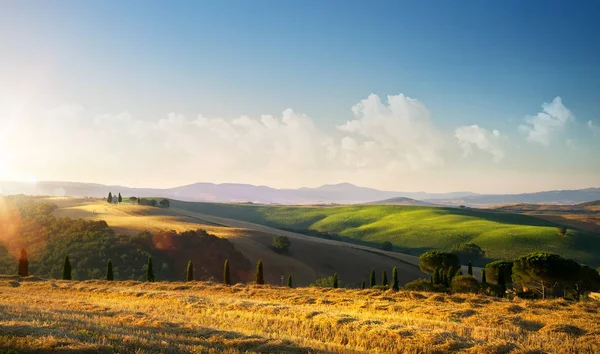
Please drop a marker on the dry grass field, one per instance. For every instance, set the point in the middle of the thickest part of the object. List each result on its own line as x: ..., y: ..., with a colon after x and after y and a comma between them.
x: 132, y: 317
x: 309, y: 259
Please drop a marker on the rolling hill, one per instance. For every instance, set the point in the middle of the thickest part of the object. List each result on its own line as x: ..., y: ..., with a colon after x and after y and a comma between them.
x: 401, y: 201
x: 416, y: 229
x: 310, y: 258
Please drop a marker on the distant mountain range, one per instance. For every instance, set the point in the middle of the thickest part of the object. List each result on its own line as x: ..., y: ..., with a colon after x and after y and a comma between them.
x: 343, y: 193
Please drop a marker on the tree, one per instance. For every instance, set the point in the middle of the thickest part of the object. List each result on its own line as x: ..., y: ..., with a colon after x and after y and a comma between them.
x: 451, y: 273
x: 562, y: 230
x: 373, y: 281
x: 483, y: 279
x: 259, y: 272
x: 470, y: 269
x: 395, y: 284
x: 384, y: 281
x: 541, y: 270
x: 363, y: 285
x: 335, y: 281
x: 164, y: 203
x: 586, y: 279
x: 109, y: 271
x: 23, y: 263
x: 435, y: 277
x: 495, y: 268
x: 466, y: 251
x: 387, y: 246
x: 226, y: 276
x: 120, y: 200
x: 67, y: 269
x: 150, y: 271
x: 281, y: 244
x: 289, y: 282
x: 431, y: 260
x: 110, y: 198
x: 327, y: 282
x: 133, y: 199
x: 190, y: 271
x: 502, y: 283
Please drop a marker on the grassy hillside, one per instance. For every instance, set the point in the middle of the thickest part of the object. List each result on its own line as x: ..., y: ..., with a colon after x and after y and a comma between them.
x: 198, y: 317
x: 500, y: 234
x: 309, y: 258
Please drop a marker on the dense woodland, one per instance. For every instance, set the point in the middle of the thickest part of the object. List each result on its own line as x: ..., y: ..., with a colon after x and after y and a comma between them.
x: 28, y: 224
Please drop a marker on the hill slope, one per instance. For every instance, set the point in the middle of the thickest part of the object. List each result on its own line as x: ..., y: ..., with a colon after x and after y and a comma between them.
x: 198, y: 317
x: 401, y: 201
x: 309, y: 259
x: 415, y: 229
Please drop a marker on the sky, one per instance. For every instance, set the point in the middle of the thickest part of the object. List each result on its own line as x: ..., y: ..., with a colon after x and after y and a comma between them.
x: 436, y: 96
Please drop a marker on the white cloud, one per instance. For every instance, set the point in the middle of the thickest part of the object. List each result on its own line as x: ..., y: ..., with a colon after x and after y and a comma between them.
x: 73, y: 144
x: 553, y: 118
x: 595, y: 129
x: 396, y: 135
x: 474, y: 135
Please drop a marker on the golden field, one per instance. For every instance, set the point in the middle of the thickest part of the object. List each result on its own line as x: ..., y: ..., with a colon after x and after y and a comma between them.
x: 199, y: 317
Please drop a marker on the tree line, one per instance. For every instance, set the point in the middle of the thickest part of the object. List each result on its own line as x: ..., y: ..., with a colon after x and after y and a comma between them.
x: 163, y: 203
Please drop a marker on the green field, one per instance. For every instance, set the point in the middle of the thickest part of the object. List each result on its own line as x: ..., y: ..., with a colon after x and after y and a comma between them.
x: 416, y: 229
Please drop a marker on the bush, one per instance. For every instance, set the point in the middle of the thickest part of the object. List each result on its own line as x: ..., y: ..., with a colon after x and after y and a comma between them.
x: 387, y: 246
x: 164, y: 203
x: 465, y: 284
x: 281, y: 244
x: 327, y: 282
x: 424, y: 285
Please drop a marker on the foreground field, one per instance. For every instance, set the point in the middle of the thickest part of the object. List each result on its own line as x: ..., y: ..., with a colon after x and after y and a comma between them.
x: 502, y: 235
x: 133, y: 317
x: 309, y: 259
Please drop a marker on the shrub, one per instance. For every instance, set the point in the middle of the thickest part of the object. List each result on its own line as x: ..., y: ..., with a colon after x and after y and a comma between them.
x: 281, y: 244
x: 423, y: 285
x: 431, y: 260
x: 465, y: 284
x: 387, y: 246
x: 327, y: 282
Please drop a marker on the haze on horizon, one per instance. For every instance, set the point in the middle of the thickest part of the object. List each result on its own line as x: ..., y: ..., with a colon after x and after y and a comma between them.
x: 399, y: 96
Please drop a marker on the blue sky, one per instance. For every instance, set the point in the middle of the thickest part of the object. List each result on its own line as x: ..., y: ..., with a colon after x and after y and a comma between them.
x: 469, y: 63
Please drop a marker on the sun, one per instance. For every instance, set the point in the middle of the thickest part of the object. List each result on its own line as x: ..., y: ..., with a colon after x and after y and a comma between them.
x: 32, y: 179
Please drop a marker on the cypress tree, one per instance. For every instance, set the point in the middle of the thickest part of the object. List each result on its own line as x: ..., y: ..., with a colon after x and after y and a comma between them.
x: 395, y: 284
x: 259, y: 272
x: 363, y: 285
x: 109, y: 199
x: 150, y: 271
x: 335, y: 281
x: 23, y: 263
x: 109, y: 271
x: 67, y: 269
x: 190, y: 271
x: 373, y: 281
x: 502, y: 281
x: 458, y: 273
x: 483, y: 279
x: 226, y: 276
x: 470, y: 270
x: 435, y: 277
x: 290, y: 281
x: 384, y: 279
x: 444, y: 278
x: 120, y: 198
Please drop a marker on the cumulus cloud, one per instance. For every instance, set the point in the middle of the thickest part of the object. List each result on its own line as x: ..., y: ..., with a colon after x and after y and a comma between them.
x: 541, y: 127
x: 476, y: 136
x: 396, y: 135
x: 72, y: 143
x: 594, y: 128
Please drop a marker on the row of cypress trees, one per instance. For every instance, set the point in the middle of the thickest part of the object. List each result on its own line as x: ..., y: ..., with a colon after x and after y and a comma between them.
x: 384, y: 281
